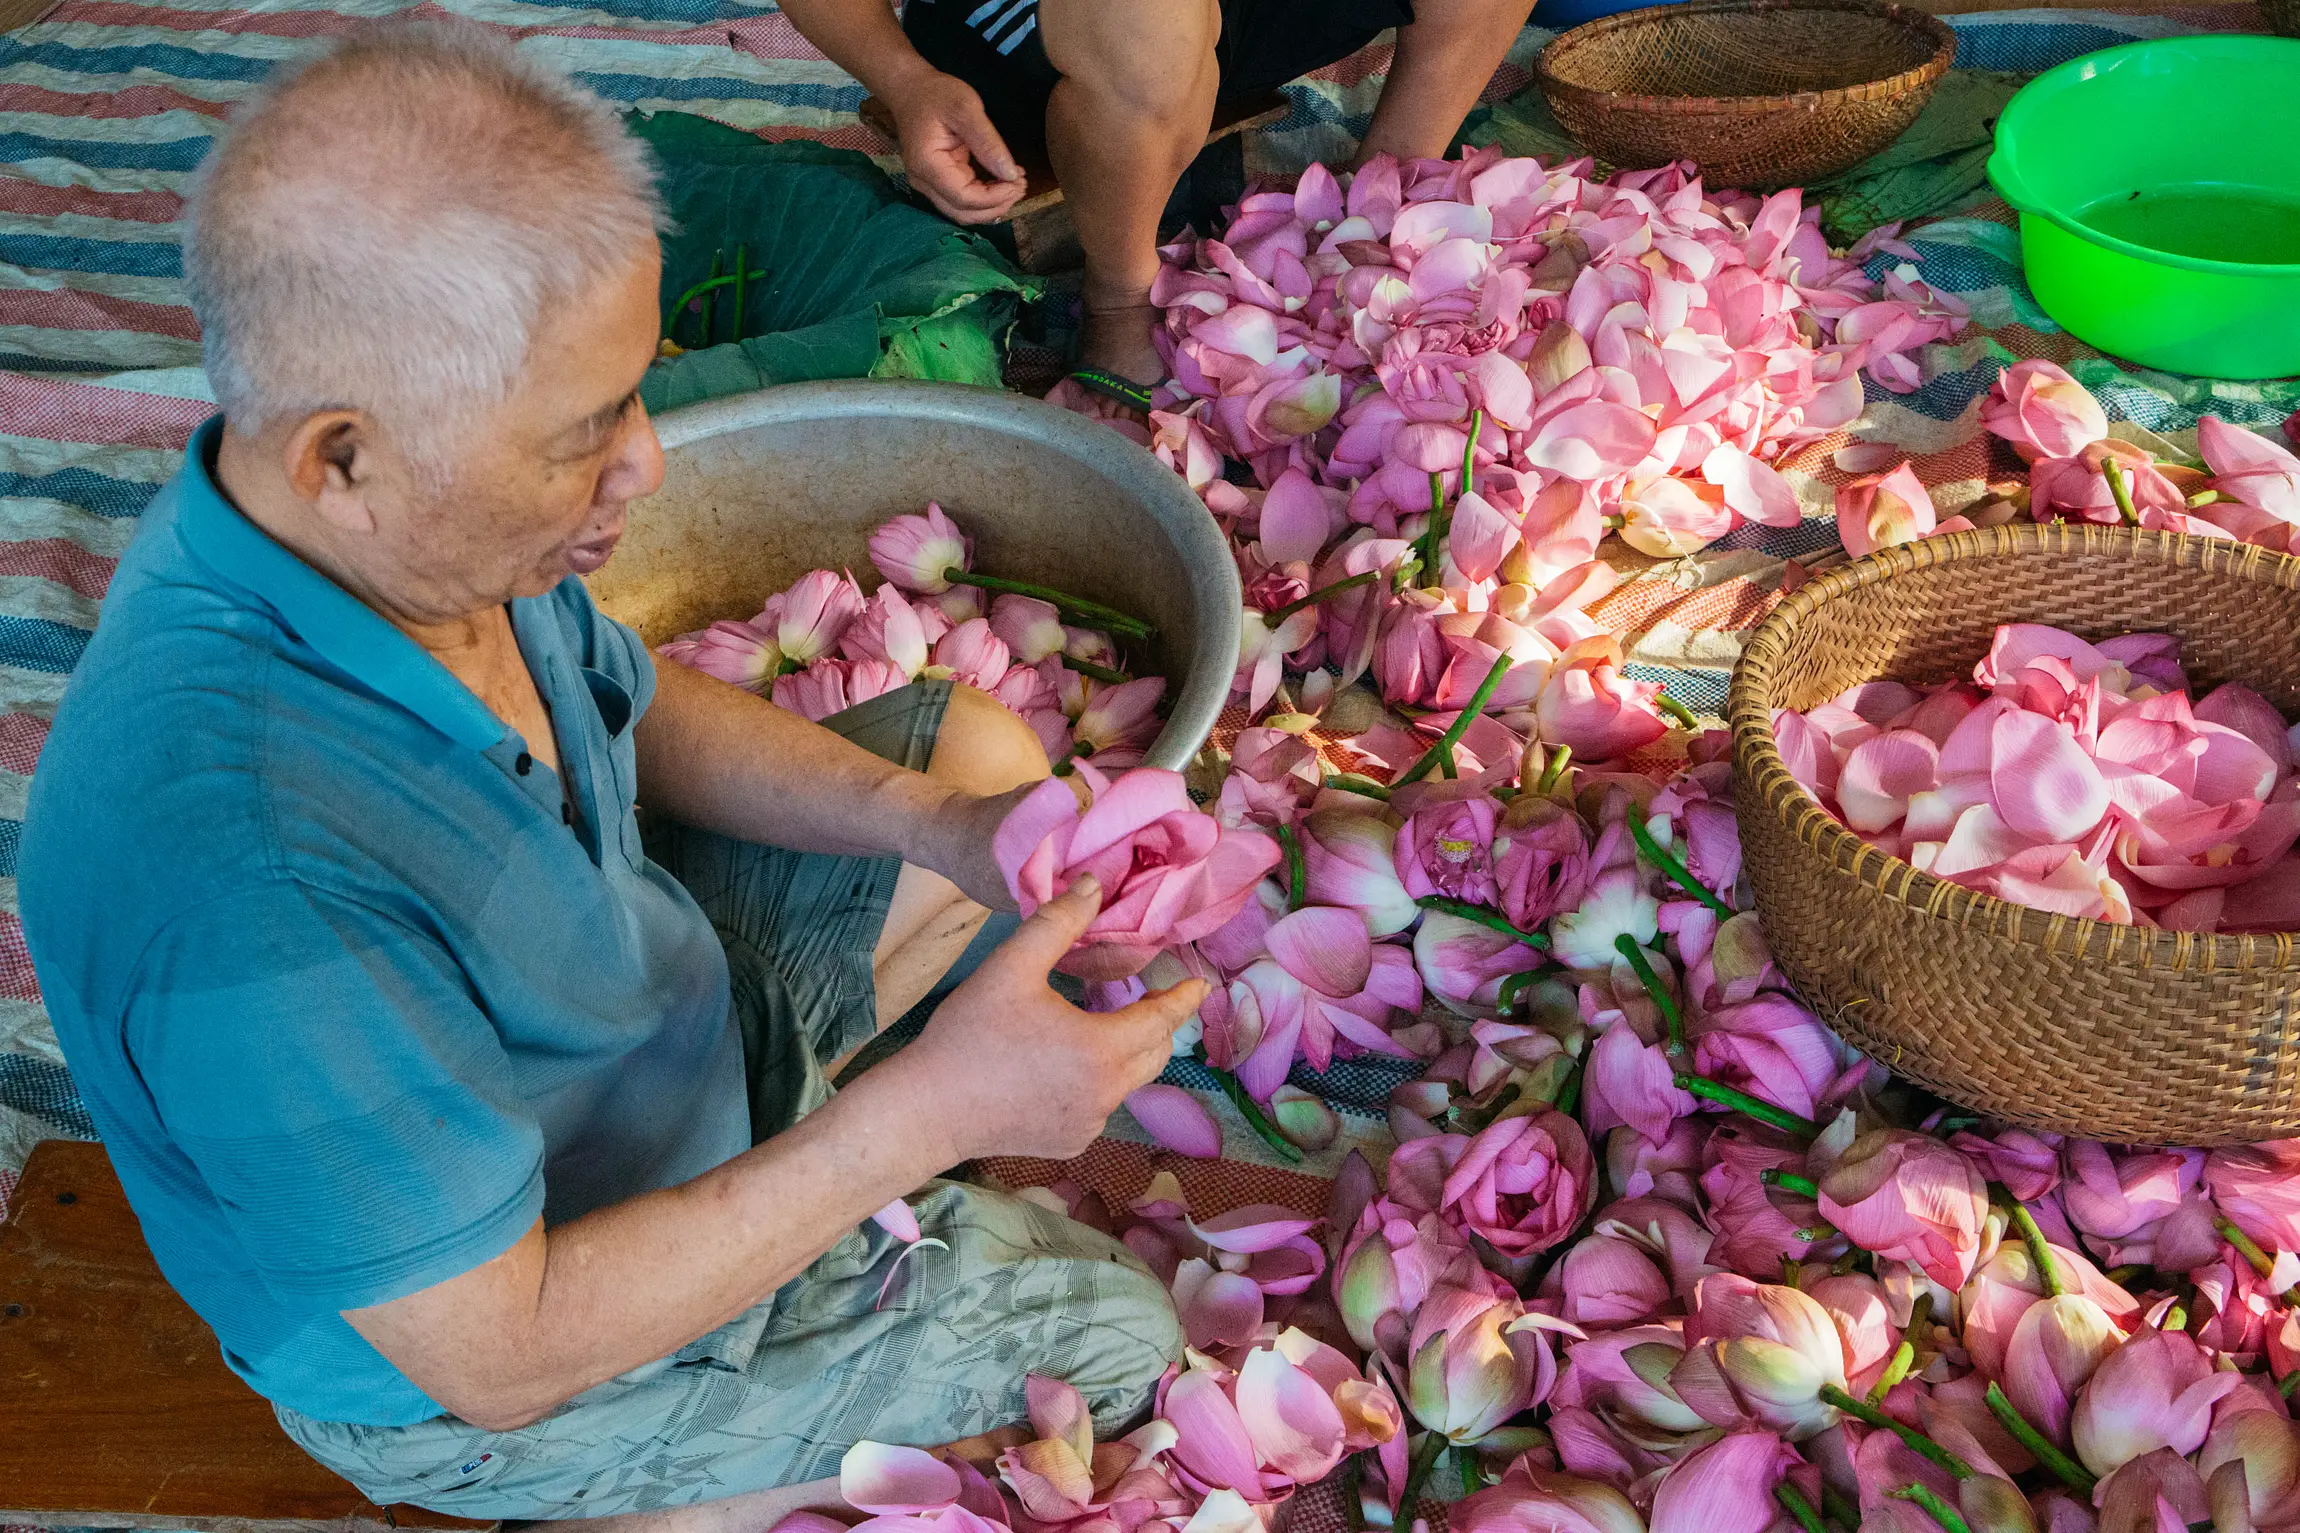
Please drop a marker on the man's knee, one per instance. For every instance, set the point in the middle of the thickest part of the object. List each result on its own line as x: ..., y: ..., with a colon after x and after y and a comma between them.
x: 983, y: 747
x: 1133, y: 1337
x: 1155, y: 58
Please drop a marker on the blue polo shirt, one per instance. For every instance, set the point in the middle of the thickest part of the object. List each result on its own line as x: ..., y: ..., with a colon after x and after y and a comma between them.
x: 350, y: 999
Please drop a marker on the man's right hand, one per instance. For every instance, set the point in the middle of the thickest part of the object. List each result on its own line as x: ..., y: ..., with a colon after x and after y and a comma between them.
x: 946, y: 135
x: 1019, y: 1070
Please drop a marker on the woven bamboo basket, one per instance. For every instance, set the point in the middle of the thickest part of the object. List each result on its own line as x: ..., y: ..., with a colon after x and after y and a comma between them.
x: 1758, y: 93
x: 2120, y: 1033
x: 2283, y: 16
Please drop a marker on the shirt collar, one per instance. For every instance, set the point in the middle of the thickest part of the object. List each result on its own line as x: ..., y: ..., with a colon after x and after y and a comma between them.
x: 339, y: 627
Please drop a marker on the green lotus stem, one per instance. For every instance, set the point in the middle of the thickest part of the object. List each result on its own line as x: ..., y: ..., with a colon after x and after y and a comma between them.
x: 1741, y: 1102
x: 1097, y: 672
x: 1937, y: 1509
x: 2114, y: 472
x: 1677, y: 710
x: 2122, y: 1276
x: 1471, y: 1476
x: 1094, y: 613
x: 1251, y: 1111
x: 1469, y: 451
x: 2176, y: 1318
x: 1789, y: 1181
x: 2249, y: 1249
x: 2064, y: 1469
x: 1297, y: 876
x: 1814, y: 1234
x: 1554, y: 771
x: 1674, y: 870
x: 1904, y: 1356
x: 1323, y: 593
x: 711, y: 303
x: 2288, y: 1383
x: 690, y: 295
x: 1861, y: 1410
x: 1427, y: 550
x: 2039, y: 1251
x: 1511, y: 989
x: 1433, y: 1444
x: 1835, y: 1503
x: 1490, y: 920
x: 1351, y: 782
x: 1794, y: 1503
x: 1460, y: 726
x: 1570, y: 1093
x: 742, y: 266
x: 2203, y: 498
x: 1671, y: 1017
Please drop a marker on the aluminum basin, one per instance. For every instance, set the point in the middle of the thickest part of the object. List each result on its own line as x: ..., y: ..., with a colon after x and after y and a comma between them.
x: 760, y: 488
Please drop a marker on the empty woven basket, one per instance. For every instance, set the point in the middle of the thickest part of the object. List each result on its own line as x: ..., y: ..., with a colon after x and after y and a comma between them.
x: 2114, y: 1032
x: 1758, y: 93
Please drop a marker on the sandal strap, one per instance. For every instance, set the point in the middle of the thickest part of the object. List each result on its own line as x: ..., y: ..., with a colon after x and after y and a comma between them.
x: 1111, y: 386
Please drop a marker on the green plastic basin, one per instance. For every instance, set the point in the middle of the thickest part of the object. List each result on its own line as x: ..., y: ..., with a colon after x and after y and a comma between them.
x: 2158, y: 186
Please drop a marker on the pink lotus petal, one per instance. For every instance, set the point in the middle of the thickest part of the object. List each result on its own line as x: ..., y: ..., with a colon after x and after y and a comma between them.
x: 2043, y: 782
x: 1024, y: 832
x: 1212, y: 1444
x: 1177, y: 1120
x: 1755, y: 490
x: 1217, y: 1309
x: 1296, y: 521
x: 1292, y: 1422
x: 1325, y: 947
x: 1882, y: 773
x: 890, y: 1480
x: 1255, y: 1227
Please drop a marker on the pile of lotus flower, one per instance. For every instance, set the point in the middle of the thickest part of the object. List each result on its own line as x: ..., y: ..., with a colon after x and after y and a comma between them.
x: 823, y: 645
x: 2071, y: 777
x: 1451, y: 379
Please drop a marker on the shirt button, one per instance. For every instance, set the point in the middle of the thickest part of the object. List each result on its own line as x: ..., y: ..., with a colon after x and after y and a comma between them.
x: 524, y: 764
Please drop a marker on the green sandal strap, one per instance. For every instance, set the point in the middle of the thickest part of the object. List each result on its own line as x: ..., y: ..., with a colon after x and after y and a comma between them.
x: 1112, y: 386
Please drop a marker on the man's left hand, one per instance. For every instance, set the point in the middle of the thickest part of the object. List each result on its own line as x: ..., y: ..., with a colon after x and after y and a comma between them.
x: 963, y: 837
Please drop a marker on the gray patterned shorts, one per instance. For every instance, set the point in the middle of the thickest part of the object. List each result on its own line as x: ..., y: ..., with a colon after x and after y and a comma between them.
x: 777, y: 1395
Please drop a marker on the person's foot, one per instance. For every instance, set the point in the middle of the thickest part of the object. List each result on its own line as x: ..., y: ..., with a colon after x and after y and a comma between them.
x: 1117, y: 339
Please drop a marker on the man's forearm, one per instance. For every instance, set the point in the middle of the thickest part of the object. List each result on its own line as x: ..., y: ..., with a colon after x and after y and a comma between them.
x: 863, y: 38
x: 627, y: 1284
x: 718, y: 758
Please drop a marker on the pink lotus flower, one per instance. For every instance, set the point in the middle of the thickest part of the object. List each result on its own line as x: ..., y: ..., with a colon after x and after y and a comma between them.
x: 810, y: 617
x: 1446, y: 844
x: 1464, y: 964
x: 2258, y: 1186
x: 1521, y: 1185
x: 1882, y: 510
x: 2042, y: 411
x: 2155, y: 1391
x: 1063, y: 1478
x: 971, y: 653
x: 1324, y: 987
x: 1725, y: 1488
x: 1758, y: 1354
x: 1863, y: 1314
x: 1540, y: 860
x: 1168, y: 873
x: 2267, y: 1446
x: 2140, y: 1206
x: 1477, y: 1360
x: 833, y: 686
x: 1350, y: 860
x: 1119, y: 723
x: 1392, y: 1262
x: 1031, y: 629
x: 1615, y: 905
x: 2250, y: 468
x: 1531, y: 1499
x: 887, y: 630
x: 733, y: 652
x: 2077, y: 485
x: 1909, y: 1197
x: 2153, y: 1493
x: 2055, y: 1348
x: 1589, y: 706
x: 1604, y: 1280
x: 1277, y: 1421
x: 913, y: 551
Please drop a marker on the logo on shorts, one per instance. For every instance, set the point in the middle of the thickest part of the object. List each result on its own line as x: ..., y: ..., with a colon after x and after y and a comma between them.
x: 475, y: 1463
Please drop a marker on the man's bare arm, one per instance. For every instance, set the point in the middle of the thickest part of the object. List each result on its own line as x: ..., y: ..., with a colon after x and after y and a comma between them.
x: 1005, y: 1067
x: 716, y: 757
x: 945, y: 132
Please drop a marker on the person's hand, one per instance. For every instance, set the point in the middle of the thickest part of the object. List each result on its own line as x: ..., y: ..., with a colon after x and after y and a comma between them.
x: 1013, y: 1069
x: 946, y: 136
x: 956, y: 841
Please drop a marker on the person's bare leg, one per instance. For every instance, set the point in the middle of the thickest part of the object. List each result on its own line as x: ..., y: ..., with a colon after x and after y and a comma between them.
x: 1444, y: 60
x: 1133, y: 108
x: 982, y: 748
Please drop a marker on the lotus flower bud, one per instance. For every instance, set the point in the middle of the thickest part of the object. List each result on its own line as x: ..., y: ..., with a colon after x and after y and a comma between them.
x: 2152, y: 1492
x: 1881, y: 510
x: 1531, y: 1499
x: 1304, y: 1119
x: 2055, y: 1348
x: 1727, y: 1487
x: 2155, y: 1391
x: 811, y: 616
x: 2268, y: 1447
x: 1348, y: 859
x: 1476, y: 1360
x: 1032, y: 629
x: 734, y: 652
x: 1909, y: 1197
x: 2043, y: 412
x: 913, y: 551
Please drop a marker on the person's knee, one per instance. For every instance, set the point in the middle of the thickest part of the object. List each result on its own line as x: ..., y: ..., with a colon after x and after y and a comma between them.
x: 1154, y: 57
x: 983, y: 747
x: 1132, y: 1337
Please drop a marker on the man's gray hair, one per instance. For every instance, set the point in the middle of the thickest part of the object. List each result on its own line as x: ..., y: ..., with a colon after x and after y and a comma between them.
x: 385, y: 222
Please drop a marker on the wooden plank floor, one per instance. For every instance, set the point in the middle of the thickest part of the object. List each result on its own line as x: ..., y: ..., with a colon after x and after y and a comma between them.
x: 120, y: 1409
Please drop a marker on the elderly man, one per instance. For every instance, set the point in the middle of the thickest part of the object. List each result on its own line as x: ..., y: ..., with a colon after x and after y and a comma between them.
x: 496, y: 1145
x: 1118, y: 98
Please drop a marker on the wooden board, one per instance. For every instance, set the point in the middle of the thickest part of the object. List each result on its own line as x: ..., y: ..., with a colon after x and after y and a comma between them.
x: 121, y: 1411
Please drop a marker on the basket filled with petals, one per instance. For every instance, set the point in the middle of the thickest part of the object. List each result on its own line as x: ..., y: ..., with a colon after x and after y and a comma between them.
x: 2007, y: 712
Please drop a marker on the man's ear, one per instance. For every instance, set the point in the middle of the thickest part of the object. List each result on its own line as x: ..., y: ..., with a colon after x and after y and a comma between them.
x: 330, y: 461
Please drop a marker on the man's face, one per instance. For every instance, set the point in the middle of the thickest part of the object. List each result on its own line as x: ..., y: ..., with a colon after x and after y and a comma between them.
x: 539, y: 492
